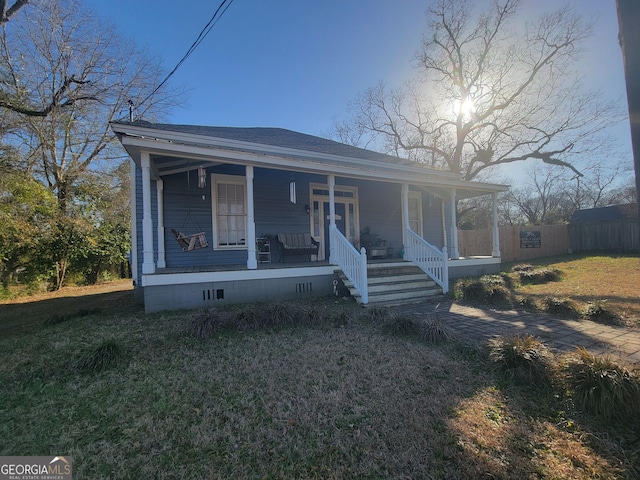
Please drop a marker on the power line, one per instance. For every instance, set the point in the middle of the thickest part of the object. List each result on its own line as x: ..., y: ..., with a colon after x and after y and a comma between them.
x: 201, y: 36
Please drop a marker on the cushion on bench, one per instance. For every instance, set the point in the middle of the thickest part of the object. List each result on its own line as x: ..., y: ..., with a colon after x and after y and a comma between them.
x: 297, y: 241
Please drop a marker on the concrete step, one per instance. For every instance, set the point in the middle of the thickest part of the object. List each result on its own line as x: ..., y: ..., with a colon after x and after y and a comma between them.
x: 395, y: 283
x: 421, y: 285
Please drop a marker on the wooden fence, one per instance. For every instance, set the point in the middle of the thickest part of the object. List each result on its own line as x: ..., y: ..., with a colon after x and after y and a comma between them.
x: 516, y: 243
x: 621, y: 235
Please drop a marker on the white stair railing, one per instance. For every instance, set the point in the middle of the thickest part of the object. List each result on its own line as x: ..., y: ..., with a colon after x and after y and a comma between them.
x: 430, y: 259
x: 352, y: 263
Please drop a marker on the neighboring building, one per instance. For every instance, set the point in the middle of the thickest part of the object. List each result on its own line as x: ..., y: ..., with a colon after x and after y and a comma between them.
x: 611, y: 229
x: 238, y: 188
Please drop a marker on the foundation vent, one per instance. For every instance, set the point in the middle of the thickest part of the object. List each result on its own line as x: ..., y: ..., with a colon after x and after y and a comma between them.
x: 213, y: 294
x: 304, y: 287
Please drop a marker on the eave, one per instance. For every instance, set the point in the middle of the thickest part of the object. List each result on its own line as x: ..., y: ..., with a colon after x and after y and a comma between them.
x: 164, y: 143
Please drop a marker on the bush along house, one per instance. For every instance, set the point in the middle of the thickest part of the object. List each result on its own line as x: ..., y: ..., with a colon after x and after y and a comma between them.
x: 229, y: 215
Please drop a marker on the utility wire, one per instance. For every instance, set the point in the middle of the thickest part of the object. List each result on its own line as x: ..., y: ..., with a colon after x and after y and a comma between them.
x: 201, y: 36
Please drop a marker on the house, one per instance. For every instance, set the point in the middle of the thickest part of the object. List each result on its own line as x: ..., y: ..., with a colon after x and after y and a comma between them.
x: 613, y: 228
x: 237, y: 189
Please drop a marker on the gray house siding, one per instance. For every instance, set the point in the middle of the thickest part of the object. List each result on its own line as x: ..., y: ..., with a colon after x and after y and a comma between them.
x: 185, y: 210
x: 381, y: 211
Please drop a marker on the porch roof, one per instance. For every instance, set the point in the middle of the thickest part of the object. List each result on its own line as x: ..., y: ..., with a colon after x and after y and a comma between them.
x: 173, y: 146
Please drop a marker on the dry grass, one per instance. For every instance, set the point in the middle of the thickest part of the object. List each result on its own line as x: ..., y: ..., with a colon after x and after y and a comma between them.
x: 336, y: 400
x: 494, y: 429
x: 589, y: 279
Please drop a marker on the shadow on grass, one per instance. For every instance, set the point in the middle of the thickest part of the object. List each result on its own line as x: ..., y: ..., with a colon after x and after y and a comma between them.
x: 19, y: 318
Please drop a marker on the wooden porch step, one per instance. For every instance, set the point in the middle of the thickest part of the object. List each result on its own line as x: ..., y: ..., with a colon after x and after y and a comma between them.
x: 396, y: 283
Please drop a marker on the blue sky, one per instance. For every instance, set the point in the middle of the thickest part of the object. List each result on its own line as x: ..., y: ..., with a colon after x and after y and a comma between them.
x: 297, y: 63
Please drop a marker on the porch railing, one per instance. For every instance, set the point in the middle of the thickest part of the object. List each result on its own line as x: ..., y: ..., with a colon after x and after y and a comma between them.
x: 352, y: 263
x: 430, y: 259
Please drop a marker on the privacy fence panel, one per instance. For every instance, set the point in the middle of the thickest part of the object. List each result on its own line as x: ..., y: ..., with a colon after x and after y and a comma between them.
x: 615, y: 236
x: 516, y: 243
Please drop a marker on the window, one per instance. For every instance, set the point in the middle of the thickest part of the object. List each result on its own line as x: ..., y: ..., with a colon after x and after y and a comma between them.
x: 229, y: 194
x: 415, y: 212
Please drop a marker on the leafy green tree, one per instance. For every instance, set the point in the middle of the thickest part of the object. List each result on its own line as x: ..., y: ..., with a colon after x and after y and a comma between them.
x: 27, y: 211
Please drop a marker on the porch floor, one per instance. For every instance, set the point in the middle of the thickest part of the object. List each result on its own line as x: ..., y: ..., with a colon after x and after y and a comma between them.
x: 272, y: 266
x: 261, y: 266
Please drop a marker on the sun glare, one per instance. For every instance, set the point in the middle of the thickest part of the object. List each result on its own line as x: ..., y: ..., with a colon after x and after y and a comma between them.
x: 466, y: 109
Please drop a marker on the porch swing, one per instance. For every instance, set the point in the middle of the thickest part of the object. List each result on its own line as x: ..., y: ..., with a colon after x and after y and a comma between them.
x: 195, y: 241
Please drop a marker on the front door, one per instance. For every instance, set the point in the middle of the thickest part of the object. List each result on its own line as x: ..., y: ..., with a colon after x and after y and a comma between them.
x: 341, y: 223
x: 346, y: 201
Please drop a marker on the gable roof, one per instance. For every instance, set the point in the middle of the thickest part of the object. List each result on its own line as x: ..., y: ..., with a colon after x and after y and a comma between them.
x: 277, y: 137
x: 173, y: 145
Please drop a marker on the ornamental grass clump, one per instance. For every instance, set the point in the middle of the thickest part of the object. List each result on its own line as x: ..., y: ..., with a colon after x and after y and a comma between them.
x: 601, y: 386
x: 523, y: 358
x: 538, y: 276
x: 528, y: 304
x: 209, y: 324
x: 278, y: 315
x: 561, y: 306
x: 401, y: 325
x: 377, y: 313
x: 105, y: 355
x: 434, y: 330
x: 600, y: 312
x: 488, y: 289
x: 522, y: 267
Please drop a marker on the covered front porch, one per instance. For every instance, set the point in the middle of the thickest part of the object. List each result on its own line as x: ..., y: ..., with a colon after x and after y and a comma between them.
x: 235, y: 194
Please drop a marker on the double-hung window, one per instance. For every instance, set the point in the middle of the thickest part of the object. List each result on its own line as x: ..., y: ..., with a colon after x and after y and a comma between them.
x: 415, y: 212
x: 229, y: 195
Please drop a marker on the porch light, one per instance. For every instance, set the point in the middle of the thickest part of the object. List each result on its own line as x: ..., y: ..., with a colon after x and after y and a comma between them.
x: 202, y: 177
x: 292, y: 191
x: 307, y: 209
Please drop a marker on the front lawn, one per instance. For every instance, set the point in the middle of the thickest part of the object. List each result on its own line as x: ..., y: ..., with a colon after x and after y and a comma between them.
x: 135, y: 396
x: 614, y: 279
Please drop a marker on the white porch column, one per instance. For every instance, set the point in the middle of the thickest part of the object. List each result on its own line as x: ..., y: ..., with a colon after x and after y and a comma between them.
x: 147, y: 222
x: 252, y: 261
x: 454, y: 251
x: 133, y: 170
x: 496, y: 231
x: 331, y: 180
x: 405, y: 217
x: 161, y: 251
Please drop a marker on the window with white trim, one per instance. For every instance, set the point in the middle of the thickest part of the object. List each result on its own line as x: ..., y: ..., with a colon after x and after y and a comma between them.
x: 229, y: 194
x: 415, y: 212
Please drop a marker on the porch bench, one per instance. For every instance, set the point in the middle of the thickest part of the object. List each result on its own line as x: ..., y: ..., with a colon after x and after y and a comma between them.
x: 292, y: 244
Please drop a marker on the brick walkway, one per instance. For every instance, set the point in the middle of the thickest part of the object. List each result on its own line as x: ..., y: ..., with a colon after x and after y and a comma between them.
x: 480, y: 324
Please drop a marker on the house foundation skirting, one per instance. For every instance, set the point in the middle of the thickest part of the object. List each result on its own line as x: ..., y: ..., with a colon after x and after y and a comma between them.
x: 209, y: 294
x: 473, y: 267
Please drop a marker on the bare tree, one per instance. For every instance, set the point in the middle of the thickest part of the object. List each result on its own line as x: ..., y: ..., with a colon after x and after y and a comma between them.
x: 538, y: 201
x: 61, y: 47
x: 62, y: 52
x: 490, y: 92
x: 7, y: 12
x: 550, y: 194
